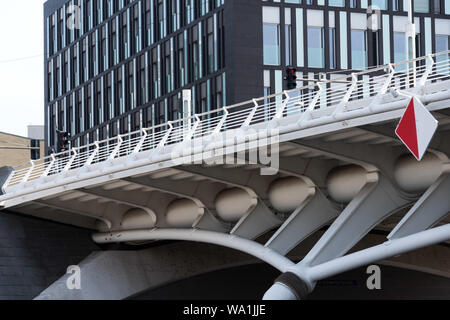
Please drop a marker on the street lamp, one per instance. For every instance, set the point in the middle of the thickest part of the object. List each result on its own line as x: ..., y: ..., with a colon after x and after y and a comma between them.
x: 411, y: 41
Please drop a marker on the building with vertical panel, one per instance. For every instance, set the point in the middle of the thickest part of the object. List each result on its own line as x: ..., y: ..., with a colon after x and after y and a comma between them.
x: 115, y: 66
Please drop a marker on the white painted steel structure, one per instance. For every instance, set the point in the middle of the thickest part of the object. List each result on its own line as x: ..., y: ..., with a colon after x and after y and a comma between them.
x: 337, y: 154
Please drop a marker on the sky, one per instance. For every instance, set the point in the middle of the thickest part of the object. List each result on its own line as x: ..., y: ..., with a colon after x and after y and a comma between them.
x: 21, y: 81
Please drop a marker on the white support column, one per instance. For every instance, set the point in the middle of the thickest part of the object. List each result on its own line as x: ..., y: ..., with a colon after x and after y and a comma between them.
x: 431, y: 208
x: 309, y: 275
x: 256, y: 222
x: 377, y: 200
x: 313, y: 214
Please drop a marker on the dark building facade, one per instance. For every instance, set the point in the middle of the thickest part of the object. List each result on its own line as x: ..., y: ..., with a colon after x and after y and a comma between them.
x: 115, y: 66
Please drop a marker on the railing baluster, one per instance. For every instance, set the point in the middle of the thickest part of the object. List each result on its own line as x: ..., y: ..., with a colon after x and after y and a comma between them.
x: 192, y: 130
x: 50, y: 165
x: 141, y: 142
x: 428, y: 70
x: 388, y: 80
x: 251, y: 115
x: 117, y: 148
x: 27, y: 175
x: 92, y: 157
x: 340, y: 107
x: 71, y: 160
x: 280, y: 111
x: 166, y: 136
x: 222, y: 121
x: 316, y: 98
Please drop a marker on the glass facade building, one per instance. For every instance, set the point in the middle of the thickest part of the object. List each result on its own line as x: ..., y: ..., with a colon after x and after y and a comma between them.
x: 329, y: 38
x: 115, y: 66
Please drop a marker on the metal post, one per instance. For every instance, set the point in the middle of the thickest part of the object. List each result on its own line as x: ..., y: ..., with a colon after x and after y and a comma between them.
x: 411, y: 44
x: 187, y: 109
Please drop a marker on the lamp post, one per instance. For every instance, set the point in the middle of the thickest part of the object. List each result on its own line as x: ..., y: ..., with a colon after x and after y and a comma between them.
x: 411, y: 43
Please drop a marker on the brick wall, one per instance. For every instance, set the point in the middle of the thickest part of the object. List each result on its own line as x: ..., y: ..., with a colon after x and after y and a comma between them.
x: 13, y: 157
x: 34, y: 253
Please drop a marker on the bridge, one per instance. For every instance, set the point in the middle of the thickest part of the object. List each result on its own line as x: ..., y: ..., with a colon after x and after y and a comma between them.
x: 264, y: 175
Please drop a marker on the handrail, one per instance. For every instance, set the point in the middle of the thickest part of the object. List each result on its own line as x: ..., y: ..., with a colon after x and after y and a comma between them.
x: 306, y: 99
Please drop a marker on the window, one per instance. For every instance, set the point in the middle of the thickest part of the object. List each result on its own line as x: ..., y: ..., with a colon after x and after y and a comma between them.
x: 336, y: 3
x: 437, y: 6
x: 109, y: 112
x: 149, y: 22
x: 84, y: 67
x: 118, y: 90
x: 130, y: 103
x: 168, y: 66
x: 124, y: 36
x: 136, y: 30
x: 98, y: 103
x: 271, y: 40
x: 316, y: 58
x: 113, y: 41
x: 35, y: 152
x: 399, y: 46
x: 422, y: 6
x: 219, y: 92
x: 442, y: 44
x: 93, y: 55
x: 195, y: 53
x: 155, y: 72
x: 142, y: 80
x: 65, y: 82
x: 103, y: 48
x: 359, y: 49
x: 288, y: 44
x: 210, y: 45
x: 161, y: 19
x: 180, y: 59
x: 382, y: 4
x: 332, y: 46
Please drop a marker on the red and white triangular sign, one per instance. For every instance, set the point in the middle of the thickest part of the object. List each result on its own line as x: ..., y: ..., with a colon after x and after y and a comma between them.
x: 416, y: 128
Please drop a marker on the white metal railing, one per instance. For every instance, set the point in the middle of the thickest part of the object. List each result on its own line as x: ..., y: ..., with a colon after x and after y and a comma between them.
x: 327, y: 93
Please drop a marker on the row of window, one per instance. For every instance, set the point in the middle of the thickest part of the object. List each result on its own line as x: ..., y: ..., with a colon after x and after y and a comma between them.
x: 419, y: 6
x: 183, y: 58
x: 304, y: 38
x: 90, y: 107
x: 147, y: 20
